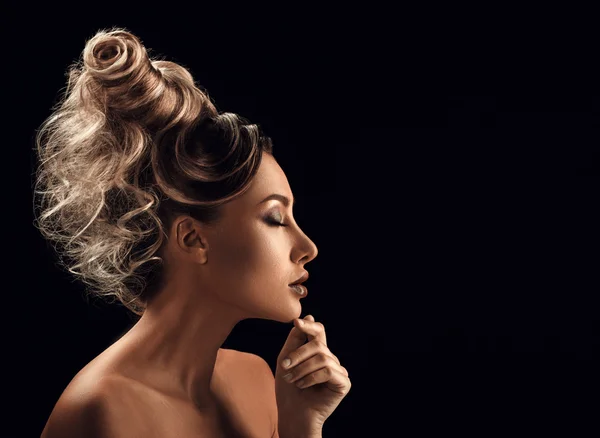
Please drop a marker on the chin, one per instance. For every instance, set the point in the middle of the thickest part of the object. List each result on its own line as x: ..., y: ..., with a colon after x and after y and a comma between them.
x: 284, y: 309
x: 286, y: 315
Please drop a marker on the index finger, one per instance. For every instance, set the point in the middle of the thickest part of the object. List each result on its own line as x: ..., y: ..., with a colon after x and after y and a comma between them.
x: 314, y: 330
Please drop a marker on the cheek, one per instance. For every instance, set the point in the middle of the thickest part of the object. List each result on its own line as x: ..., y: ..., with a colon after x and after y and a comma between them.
x: 256, y: 257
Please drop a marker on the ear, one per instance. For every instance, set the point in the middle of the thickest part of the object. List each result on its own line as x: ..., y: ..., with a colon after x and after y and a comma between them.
x: 190, y: 237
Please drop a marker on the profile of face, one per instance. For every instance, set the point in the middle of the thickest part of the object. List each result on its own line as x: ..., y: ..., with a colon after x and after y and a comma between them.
x: 242, y: 266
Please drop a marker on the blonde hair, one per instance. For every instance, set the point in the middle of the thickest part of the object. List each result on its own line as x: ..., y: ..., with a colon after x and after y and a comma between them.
x: 132, y: 143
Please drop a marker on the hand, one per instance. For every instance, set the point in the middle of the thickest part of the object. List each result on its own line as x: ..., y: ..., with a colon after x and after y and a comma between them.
x: 303, y: 408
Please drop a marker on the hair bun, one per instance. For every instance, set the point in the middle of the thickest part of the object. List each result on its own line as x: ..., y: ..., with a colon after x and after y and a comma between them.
x: 113, y: 55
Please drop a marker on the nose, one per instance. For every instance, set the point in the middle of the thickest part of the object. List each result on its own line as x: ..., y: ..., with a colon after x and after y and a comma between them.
x: 309, y: 249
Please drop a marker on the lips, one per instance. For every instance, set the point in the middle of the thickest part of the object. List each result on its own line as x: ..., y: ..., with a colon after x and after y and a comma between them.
x: 302, y: 279
x: 300, y: 289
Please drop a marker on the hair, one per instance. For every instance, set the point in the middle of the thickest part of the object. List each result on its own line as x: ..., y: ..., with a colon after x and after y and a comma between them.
x: 132, y: 143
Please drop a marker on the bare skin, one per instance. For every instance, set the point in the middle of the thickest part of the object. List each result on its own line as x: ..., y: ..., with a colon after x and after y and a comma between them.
x: 169, y: 370
x: 242, y: 404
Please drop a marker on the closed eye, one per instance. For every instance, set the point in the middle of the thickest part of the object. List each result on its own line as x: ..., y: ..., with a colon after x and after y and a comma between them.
x: 277, y: 224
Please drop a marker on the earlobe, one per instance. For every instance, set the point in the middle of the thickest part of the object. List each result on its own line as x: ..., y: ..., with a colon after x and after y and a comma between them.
x: 202, y: 255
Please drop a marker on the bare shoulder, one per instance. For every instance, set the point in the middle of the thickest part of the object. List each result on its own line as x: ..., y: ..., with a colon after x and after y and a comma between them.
x: 81, y: 411
x: 248, y: 363
x: 111, y: 406
x: 252, y: 372
x: 250, y: 368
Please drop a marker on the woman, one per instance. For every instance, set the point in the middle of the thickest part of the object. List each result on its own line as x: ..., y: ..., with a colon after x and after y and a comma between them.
x: 183, y: 215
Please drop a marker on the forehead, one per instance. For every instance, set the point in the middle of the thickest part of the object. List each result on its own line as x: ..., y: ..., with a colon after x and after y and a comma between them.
x: 270, y: 178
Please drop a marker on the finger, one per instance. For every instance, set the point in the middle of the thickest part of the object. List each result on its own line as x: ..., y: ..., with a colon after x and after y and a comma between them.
x: 334, y: 380
x: 313, y: 329
x: 296, y: 338
x: 316, y: 362
x: 335, y: 358
x: 307, y: 351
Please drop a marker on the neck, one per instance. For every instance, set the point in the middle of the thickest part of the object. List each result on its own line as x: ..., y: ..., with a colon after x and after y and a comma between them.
x: 175, y: 344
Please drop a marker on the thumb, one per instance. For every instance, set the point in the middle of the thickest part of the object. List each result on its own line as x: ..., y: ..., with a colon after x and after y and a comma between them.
x: 295, y: 340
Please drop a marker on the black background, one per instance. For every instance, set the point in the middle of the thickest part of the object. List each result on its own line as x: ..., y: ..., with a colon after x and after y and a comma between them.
x: 445, y: 165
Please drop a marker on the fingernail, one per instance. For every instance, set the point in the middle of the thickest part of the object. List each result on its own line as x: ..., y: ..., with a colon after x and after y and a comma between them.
x: 286, y: 362
x: 287, y: 377
x: 300, y: 322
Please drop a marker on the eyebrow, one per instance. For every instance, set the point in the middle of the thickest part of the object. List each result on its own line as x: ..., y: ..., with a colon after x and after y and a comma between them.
x: 284, y: 199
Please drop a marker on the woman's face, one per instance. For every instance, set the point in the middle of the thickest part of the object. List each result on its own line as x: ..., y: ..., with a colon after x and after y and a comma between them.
x: 247, y: 259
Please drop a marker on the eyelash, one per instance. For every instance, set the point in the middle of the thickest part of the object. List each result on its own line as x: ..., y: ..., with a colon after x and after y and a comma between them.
x: 275, y: 223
